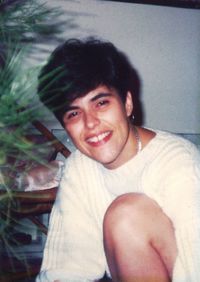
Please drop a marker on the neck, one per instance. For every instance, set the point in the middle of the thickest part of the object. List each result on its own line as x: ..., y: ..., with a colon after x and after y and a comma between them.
x: 137, y: 139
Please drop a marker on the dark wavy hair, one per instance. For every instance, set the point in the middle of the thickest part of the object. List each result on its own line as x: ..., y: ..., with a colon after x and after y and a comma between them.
x: 78, y: 67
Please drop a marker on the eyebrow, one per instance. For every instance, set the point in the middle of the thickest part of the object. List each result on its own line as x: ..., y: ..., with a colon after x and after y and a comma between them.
x: 100, y: 95
x: 71, y: 108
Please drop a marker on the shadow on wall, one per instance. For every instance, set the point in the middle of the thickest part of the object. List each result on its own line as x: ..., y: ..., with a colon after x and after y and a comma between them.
x: 136, y: 90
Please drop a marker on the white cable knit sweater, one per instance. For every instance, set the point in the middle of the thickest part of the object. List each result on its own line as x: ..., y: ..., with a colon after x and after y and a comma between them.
x: 167, y: 170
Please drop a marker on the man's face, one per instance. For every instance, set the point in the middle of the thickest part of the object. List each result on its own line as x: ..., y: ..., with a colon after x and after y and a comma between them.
x: 99, y: 127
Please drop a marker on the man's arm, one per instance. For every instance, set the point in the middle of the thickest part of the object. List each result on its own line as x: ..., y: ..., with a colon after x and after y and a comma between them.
x: 74, y: 250
x: 182, y: 205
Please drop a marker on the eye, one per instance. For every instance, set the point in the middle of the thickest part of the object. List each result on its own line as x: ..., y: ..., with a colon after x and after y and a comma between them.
x: 102, y: 103
x: 71, y: 115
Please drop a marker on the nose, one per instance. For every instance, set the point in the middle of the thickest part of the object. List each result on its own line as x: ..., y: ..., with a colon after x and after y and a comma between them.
x: 91, y: 120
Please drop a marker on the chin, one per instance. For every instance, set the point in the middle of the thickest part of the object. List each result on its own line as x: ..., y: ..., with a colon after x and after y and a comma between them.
x: 98, y: 159
x: 105, y: 157
x: 107, y: 162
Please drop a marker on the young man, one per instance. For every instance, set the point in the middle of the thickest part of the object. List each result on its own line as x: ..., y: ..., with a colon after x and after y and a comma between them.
x: 128, y: 202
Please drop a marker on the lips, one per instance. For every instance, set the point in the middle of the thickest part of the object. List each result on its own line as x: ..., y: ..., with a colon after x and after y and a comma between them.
x: 99, y: 139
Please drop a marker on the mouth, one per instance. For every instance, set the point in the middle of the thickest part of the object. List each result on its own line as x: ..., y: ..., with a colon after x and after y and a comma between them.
x: 99, y: 139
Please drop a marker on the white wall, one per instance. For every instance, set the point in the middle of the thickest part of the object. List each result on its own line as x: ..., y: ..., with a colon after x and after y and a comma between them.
x: 163, y: 45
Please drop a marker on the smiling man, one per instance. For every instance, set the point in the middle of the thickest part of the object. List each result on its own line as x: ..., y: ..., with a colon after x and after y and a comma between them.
x: 128, y: 202
x: 99, y: 128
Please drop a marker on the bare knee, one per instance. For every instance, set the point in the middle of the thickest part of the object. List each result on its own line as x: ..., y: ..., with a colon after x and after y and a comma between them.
x: 138, y: 219
x: 126, y: 219
x: 129, y: 210
x: 134, y: 210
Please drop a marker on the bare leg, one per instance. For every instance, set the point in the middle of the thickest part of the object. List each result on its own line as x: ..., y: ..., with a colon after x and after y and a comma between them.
x: 139, y: 240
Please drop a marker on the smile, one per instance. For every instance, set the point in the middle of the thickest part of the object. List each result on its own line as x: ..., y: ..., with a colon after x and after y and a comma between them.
x: 99, y: 139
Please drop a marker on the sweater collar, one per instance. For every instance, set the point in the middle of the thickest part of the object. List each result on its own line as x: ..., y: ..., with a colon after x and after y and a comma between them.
x: 126, y: 178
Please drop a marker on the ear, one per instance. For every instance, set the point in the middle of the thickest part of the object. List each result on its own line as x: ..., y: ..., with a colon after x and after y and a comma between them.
x: 129, y: 104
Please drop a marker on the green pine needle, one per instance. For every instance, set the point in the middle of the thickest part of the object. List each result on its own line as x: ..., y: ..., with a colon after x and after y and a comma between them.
x: 21, y: 22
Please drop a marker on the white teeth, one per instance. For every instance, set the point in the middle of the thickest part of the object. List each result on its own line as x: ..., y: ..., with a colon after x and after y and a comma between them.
x: 99, y: 137
x: 93, y: 139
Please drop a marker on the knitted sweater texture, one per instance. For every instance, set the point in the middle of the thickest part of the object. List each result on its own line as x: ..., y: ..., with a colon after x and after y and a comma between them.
x: 167, y: 170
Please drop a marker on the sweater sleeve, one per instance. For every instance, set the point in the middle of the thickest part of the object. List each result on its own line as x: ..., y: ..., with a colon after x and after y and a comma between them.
x: 182, y: 204
x: 73, y: 250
